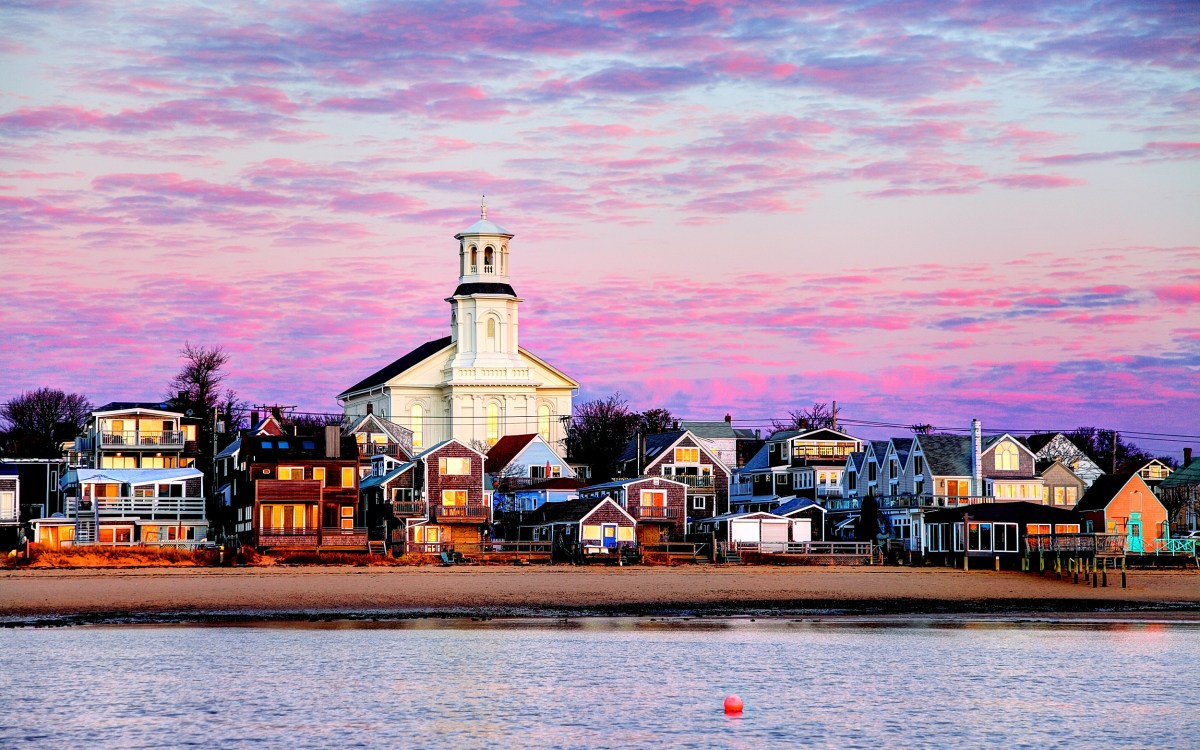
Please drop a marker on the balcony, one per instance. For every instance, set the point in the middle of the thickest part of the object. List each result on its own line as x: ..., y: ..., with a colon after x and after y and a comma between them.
x: 461, y: 513
x: 829, y: 490
x: 312, y: 538
x: 692, y: 480
x: 366, y: 450
x: 142, y: 439
x: 654, y: 513
x: 408, y: 509
x: 141, y: 507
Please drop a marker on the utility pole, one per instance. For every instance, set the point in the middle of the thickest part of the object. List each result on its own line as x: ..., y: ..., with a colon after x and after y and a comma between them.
x: 1114, y: 451
x: 833, y: 415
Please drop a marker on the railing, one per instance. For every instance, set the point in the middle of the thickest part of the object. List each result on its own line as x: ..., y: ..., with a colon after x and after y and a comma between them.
x: 825, y: 549
x: 692, y: 480
x: 828, y: 490
x: 932, y: 501
x: 407, y: 509
x: 834, y: 459
x: 472, y: 513
x: 489, y: 268
x: 137, y: 506
x: 654, y: 512
x: 516, y: 484
x: 500, y: 546
x: 274, y: 536
x: 1175, y: 547
x: 1100, y: 545
x: 138, y: 438
x: 366, y: 450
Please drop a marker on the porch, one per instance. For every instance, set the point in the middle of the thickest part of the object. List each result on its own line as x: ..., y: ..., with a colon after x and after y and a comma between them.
x: 329, y: 538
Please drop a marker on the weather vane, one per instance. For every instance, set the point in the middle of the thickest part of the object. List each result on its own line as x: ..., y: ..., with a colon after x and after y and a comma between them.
x: 483, y: 207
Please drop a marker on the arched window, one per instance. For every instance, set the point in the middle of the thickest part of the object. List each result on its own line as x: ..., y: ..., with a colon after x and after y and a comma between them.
x: 488, y: 266
x: 1007, y: 457
x: 493, y: 424
x: 544, y: 422
x: 474, y: 260
x: 416, y: 426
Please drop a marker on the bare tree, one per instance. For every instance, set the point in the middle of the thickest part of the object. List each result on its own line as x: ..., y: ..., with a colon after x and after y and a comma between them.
x: 38, y: 422
x: 598, y: 433
x: 479, y: 445
x: 198, y: 382
x: 817, y: 416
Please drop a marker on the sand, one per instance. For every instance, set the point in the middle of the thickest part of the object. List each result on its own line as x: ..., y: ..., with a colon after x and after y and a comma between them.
x: 244, y: 593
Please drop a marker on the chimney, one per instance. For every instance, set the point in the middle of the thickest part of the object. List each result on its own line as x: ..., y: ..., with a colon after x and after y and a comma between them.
x: 370, y: 408
x: 976, y: 457
x: 275, y: 412
x: 757, y: 434
x: 1187, y: 457
x: 729, y: 419
x: 253, y: 418
x: 333, y: 441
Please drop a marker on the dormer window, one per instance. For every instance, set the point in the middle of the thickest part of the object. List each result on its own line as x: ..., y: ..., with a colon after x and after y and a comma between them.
x: 1006, y: 457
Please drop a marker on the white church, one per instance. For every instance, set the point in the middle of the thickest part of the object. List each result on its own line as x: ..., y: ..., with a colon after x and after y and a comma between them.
x: 477, y: 384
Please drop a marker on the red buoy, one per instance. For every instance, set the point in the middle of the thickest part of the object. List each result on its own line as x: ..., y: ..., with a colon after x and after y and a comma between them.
x: 733, y: 704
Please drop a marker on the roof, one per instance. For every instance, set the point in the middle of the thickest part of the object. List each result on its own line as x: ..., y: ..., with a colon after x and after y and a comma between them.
x: 374, y: 480
x: 129, y: 405
x: 797, y: 505
x: 567, y: 511
x: 292, y: 447
x: 231, y: 449
x: 759, y: 461
x: 484, y: 287
x: 136, y: 476
x: 947, y: 455
x: 743, y: 514
x: 396, y: 432
x: 554, y: 483
x: 405, y: 363
x: 879, y: 448
x: 622, y: 483
x: 856, y: 459
x: 1103, y: 491
x: 1018, y: 510
x: 903, y: 447
x: 655, y: 445
x: 1183, y: 476
x: 505, y: 450
x: 1040, y: 440
x: 437, y: 446
x: 721, y: 430
x: 484, y: 226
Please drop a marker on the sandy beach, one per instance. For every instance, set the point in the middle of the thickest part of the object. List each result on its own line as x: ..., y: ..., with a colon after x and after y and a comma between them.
x: 216, y: 594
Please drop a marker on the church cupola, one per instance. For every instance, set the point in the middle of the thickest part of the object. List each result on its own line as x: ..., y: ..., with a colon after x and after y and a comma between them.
x: 483, y: 253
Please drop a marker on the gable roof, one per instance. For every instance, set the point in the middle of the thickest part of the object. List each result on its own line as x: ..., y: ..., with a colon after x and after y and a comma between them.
x: 1104, y: 490
x: 1183, y: 476
x: 292, y: 447
x: 569, y: 511
x: 438, y: 446
x: 396, y: 432
x: 856, y: 459
x: 879, y: 449
x: 947, y: 455
x: 711, y: 430
x: 405, y: 363
x: 759, y: 461
x: 903, y: 447
x: 374, y: 480
x: 797, y: 505
x: 505, y: 450
x: 655, y: 445
x: 160, y: 406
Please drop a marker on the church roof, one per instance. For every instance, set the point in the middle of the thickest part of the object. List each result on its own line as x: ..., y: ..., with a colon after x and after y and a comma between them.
x: 483, y: 226
x: 407, y: 362
x: 484, y: 288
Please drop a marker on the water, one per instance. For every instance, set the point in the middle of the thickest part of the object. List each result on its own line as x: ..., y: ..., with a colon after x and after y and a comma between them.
x: 601, y: 683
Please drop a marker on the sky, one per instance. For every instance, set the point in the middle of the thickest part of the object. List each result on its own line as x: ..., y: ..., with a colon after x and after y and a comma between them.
x: 927, y: 211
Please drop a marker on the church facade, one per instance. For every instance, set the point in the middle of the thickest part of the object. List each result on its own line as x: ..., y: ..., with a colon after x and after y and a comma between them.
x: 477, y: 384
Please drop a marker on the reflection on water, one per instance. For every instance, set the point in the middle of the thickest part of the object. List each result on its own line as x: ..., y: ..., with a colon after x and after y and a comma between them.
x: 601, y: 683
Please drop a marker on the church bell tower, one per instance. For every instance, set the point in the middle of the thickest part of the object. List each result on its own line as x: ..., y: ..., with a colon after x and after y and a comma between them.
x: 483, y: 309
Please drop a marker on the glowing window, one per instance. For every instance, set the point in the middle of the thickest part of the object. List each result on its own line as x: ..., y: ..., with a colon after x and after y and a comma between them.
x: 493, y: 423
x: 454, y: 466
x: 544, y: 422
x: 348, y: 474
x: 687, y: 455
x: 1006, y: 457
x: 417, y: 413
x: 454, y: 497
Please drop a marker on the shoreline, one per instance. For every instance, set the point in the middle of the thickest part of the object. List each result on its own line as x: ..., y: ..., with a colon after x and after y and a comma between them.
x: 356, y: 595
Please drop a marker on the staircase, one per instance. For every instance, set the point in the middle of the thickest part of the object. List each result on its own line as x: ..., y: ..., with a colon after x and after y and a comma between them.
x: 85, y: 531
x: 376, y: 547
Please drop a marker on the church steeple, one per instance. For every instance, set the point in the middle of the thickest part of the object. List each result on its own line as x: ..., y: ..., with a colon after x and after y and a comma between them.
x: 483, y: 317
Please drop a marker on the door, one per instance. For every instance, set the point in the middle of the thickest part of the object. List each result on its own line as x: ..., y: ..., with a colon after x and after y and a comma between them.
x: 1135, y: 543
x: 610, y: 535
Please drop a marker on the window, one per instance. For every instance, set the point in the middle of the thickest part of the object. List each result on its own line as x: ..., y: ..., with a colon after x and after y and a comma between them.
x: 543, y: 416
x: 893, y: 469
x: 454, y: 466
x: 415, y: 423
x: 146, y: 490
x: 1066, y: 528
x: 493, y: 424
x: 625, y: 534
x: 1004, y: 537
x: 654, y: 498
x: 781, y: 478
x: 118, y: 462
x: 1007, y: 458
x: 189, y: 433
x: 291, y: 472
x: 1071, y: 495
x: 426, y: 534
x: 491, y: 335
x: 698, y: 503
x: 347, y: 516
x: 348, y: 474
x: 591, y: 533
x: 1060, y: 495
x: 687, y: 455
x: 872, y: 471
x: 284, y: 445
x: 1037, y: 529
x: 8, y: 505
x: 958, y: 537
x: 957, y: 487
x: 308, y: 445
x: 319, y: 475
x: 918, y: 465
x: 454, y: 498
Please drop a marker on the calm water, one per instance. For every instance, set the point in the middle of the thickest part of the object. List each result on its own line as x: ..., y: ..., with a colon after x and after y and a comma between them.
x: 601, y: 683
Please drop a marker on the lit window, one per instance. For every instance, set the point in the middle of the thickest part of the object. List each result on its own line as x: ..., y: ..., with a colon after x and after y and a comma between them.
x: 654, y: 498
x: 454, y: 497
x: 347, y: 516
x: 348, y: 474
x: 493, y: 424
x: 454, y: 466
x: 291, y: 472
x: 415, y: 425
x: 1006, y: 457
x: 319, y: 474
x: 543, y: 415
x: 687, y: 455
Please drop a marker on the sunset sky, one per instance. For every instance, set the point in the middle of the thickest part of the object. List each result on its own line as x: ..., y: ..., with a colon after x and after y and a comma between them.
x: 929, y: 211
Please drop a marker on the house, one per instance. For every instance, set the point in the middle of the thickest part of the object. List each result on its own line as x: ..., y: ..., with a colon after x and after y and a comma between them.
x: 1062, y: 487
x: 523, y: 468
x: 656, y: 503
x: 1180, y: 494
x: 582, y: 528
x: 477, y: 383
x: 681, y: 457
x: 795, y: 463
x: 723, y: 440
x: 759, y: 530
x: 448, y: 482
x: 1125, y: 504
x: 296, y: 491
x: 1153, y: 472
x: 125, y: 507
x: 1058, y: 447
x: 993, y: 530
x: 807, y: 509
x: 38, y: 494
x: 138, y: 435
x: 376, y: 436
